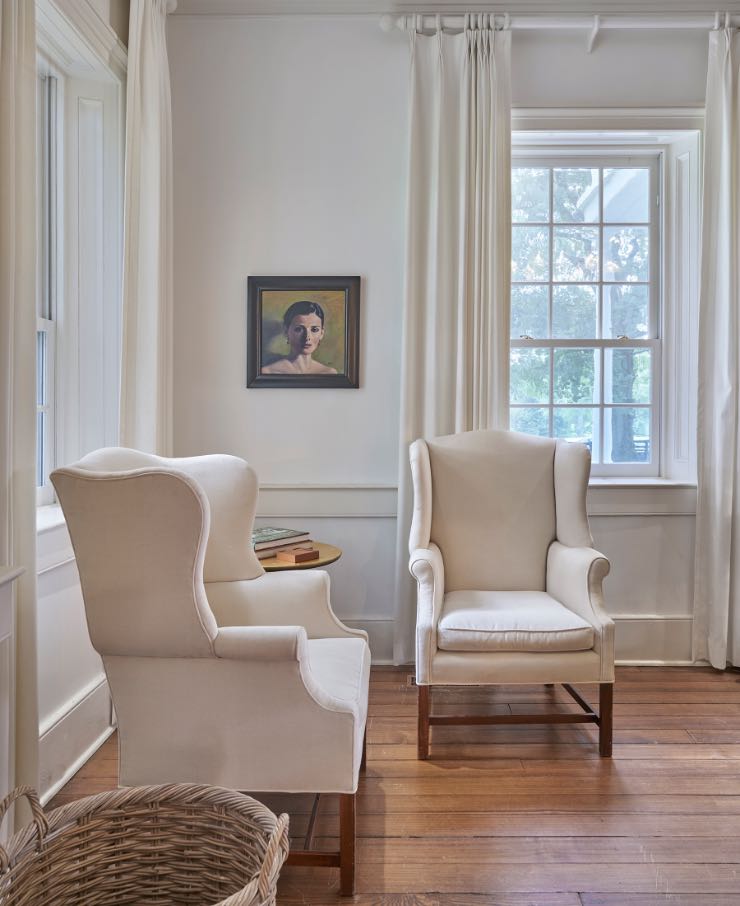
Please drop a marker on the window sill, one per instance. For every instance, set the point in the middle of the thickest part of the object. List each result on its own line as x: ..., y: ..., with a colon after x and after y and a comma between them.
x: 637, y: 482
x: 48, y: 517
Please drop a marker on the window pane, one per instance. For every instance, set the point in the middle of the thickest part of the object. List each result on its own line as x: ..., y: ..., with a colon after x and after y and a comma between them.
x: 627, y: 434
x: 575, y: 195
x: 530, y: 421
x: 575, y: 254
x: 530, y: 376
x: 626, y: 251
x: 580, y: 425
x: 626, y: 307
x: 574, y: 311
x: 40, y: 368
x: 40, y: 441
x: 627, y: 376
x: 530, y: 253
x: 626, y: 195
x: 528, y: 311
x: 530, y: 195
x: 575, y: 376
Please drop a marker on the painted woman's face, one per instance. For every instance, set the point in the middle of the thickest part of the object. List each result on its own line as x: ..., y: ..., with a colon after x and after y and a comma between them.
x: 305, y: 332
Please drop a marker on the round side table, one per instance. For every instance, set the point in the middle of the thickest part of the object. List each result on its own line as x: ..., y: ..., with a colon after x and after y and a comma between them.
x: 327, y: 554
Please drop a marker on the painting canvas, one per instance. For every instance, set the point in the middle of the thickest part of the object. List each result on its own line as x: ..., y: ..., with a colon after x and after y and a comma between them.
x: 303, y: 331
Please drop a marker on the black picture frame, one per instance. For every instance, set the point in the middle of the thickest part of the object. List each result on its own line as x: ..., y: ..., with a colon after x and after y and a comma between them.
x: 335, y: 307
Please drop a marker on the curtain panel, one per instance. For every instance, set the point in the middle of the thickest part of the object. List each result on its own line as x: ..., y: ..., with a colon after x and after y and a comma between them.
x: 717, y: 567
x: 146, y: 373
x: 18, y: 362
x: 455, y: 358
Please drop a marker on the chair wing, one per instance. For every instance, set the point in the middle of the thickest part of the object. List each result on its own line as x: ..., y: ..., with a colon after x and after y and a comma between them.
x: 139, y: 539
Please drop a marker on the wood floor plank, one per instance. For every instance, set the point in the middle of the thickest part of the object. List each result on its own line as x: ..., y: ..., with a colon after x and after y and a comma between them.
x: 530, y: 815
x: 658, y: 899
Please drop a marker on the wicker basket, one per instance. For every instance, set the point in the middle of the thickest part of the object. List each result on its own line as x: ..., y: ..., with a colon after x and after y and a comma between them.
x: 175, y: 845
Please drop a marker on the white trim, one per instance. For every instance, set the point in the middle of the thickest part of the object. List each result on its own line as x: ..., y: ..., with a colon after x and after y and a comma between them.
x: 74, y: 32
x: 78, y: 763
x: 640, y: 637
x: 56, y: 565
x: 646, y: 120
x: 72, y: 734
x: 301, y: 501
x: 56, y: 717
x: 373, y: 8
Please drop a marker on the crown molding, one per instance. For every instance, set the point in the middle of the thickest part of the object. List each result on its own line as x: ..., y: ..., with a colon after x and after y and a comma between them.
x: 673, y: 8
x: 73, y: 33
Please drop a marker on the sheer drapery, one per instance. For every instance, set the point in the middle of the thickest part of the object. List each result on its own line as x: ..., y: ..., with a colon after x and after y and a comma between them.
x: 455, y: 359
x: 717, y: 572
x: 18, y: 360
x: 146, y: 377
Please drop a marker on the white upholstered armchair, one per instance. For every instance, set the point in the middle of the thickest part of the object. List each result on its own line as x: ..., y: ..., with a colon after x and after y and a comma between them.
x: 219, y: 673
x: 509, y: 586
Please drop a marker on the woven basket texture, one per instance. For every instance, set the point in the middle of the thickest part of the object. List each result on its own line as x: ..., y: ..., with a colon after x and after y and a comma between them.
x: 174, y: 845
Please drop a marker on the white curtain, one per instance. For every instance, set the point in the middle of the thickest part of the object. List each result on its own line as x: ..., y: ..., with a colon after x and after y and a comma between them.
x: 18, y: 359
x: 455, y: 360
x: 146, y: 376
x: 717, y: 572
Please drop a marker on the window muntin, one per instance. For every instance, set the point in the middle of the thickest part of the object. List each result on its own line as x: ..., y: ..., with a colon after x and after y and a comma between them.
x: 584, y: 305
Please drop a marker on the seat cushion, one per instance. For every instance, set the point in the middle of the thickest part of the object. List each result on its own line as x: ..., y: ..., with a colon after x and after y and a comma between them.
x: 510, y: 621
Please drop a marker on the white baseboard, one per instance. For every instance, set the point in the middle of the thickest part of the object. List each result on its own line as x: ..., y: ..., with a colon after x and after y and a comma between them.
x: 72, y: 737
x: 380, y: 635
x: 653, y: 639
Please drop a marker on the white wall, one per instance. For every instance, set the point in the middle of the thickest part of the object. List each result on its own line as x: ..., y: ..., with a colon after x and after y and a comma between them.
x: 290, y: 158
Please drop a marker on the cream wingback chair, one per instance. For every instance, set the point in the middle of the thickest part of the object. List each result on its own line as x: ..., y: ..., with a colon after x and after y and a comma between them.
x: 219, y: 673
x: 509, y: 586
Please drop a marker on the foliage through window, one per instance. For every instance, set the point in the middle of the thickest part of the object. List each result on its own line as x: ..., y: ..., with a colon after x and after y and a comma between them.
x: 584, y: 347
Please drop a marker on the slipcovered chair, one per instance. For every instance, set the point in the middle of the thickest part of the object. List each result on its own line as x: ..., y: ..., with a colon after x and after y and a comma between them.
x: 509, y: 586
x: 219, y: 673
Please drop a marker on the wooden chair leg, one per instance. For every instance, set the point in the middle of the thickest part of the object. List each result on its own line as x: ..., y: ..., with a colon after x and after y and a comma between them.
x: 606, y: 709
x: 363, y: 762
x: 346, y: 844
x: 423, y: 726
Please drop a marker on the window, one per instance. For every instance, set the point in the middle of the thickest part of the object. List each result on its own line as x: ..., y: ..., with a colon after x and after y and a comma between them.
x: 79, y: 231
x: 47, y: 157
x: 585, y: 348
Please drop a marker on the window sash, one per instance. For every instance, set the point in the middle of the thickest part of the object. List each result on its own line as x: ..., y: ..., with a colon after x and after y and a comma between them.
x: 587, y: 158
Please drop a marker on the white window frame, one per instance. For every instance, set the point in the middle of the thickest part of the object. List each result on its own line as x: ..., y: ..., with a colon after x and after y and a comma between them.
x: 49, y: 262
x: 677, y: 134
x: 83, y: 332
x: 595, y: 157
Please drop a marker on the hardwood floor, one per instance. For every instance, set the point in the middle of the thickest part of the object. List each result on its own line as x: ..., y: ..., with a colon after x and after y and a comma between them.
x: 531, y: 816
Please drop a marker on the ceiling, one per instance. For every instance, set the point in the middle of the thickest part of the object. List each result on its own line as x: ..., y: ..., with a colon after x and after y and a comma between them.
x: 514, y: 7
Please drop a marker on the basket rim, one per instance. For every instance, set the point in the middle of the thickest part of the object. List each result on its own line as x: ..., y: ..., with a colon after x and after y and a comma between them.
x: 182, y: 794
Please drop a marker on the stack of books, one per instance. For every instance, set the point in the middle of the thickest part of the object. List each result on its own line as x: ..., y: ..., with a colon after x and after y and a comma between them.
x: 269, y: 541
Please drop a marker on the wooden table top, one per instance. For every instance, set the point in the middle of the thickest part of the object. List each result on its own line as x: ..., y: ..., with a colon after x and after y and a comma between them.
x: 327, y: 554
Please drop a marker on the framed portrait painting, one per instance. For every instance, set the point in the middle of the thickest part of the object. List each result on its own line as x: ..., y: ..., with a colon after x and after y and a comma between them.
x: 303, y: 332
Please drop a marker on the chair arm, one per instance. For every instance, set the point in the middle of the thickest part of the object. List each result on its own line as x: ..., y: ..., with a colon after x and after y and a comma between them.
x: 261, y: 643
x: 286, y: 645
x: 290, y: 598
x: 427, y: 567
x: 574, y: 577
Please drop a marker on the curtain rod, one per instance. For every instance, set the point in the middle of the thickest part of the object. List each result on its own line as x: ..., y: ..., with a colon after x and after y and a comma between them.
x: 427, y: 21
x: 424, y: 22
